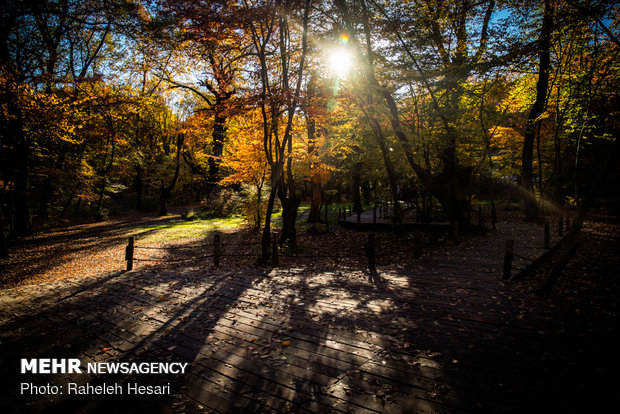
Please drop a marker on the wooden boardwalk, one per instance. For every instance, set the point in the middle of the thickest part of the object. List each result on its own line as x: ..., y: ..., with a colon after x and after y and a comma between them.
x: 438, y: 334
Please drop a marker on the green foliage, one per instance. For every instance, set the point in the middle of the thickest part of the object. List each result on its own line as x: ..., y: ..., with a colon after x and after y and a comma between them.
x: 225, y: 203
x: 92, y: 115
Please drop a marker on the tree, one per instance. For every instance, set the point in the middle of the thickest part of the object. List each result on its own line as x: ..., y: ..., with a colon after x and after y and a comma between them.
x: 246, y: 158
x: 279, y: 98
x: 206, y: 57
x: 42, y: 45
x: 538, y: 107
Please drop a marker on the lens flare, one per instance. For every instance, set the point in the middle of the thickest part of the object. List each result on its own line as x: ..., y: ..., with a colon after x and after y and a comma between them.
x: 340, y: 62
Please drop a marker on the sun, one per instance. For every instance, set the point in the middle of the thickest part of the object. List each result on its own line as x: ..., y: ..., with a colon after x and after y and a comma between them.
x: 340, y: 61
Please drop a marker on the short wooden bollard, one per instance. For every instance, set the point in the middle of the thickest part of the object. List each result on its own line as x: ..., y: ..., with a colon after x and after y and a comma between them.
x: 370, y: 252
x: 275, y: 259
x: 374, y: 214
x: 129, y: 253
x: 216, y: 250
x: 560, y: 225
x: 359, y: 217
x: 350, y: 210
x: 508, y: 259
x: 417, y: 244
x: 493, y: 217
x: 547, y: 235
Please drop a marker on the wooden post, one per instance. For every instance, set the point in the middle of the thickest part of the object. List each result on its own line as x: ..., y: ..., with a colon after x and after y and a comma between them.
x: 359, y: 217
x: 370, y: 252
x: 547, y: 236
x: 493, y: 216
x: 350, y: 210
x: 480, y: 217
x: 455, y: 229
x: 275, y: 260
x: 560, y: 225
x: 508, y: 259
x: 417, y: 244
x: 374, y: 214
x: 129, y: 253
x: 216, y: 250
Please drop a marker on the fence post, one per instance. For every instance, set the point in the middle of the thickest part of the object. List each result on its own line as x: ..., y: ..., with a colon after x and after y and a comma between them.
x: 493, y: 216
x: 547, y: 236
x: 370, y: 252
x: 560, y: 225
x: 359, y: 217
x: 275, y: 260
x: 216, y: 250
x: 417, y: 244
x: 374, y: 214
x: 480, y: 217
x: 508, y: 259
x: 129, y: 253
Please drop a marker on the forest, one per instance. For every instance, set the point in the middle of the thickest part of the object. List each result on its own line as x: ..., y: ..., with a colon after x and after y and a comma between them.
x: 255, y: 107
x: 367, y: 206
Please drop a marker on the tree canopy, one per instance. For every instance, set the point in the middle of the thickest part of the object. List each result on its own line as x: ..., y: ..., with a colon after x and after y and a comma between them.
x: 133, y: 104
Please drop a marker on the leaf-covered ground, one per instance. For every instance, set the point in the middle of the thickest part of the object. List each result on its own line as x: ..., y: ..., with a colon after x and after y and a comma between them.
x: 441, y: 333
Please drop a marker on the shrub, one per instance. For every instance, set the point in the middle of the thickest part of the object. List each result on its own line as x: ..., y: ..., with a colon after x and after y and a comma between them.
x: 223, y: 203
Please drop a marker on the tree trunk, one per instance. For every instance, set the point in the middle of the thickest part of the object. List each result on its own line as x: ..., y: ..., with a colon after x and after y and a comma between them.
x: 67, y: 204
x: 315, y: 178
x: 22, y: 225
x: 544, y: 56
x: 266, y: 237
x: 46, y: 195
x: 139, y: 187
x: 166, y: 191
x: 314, y: 216
x: 259, y: 196
x: 219, y: 134
x: 14, y: 128
x: 572, y: 239
x: 357, y: 180
x: 389, y: 168
x: 48, y: 185
x: 290, y: 204
x: 3, y: 250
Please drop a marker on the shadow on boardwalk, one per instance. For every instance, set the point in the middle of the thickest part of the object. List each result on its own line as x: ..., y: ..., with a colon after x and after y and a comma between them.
x: 439, y: 334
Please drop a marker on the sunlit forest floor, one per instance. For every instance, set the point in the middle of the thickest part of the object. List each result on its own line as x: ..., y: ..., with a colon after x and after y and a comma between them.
x: 442, y: 333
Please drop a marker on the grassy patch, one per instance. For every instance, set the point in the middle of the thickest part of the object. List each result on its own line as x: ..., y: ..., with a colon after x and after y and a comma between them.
x: 183, y: 229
